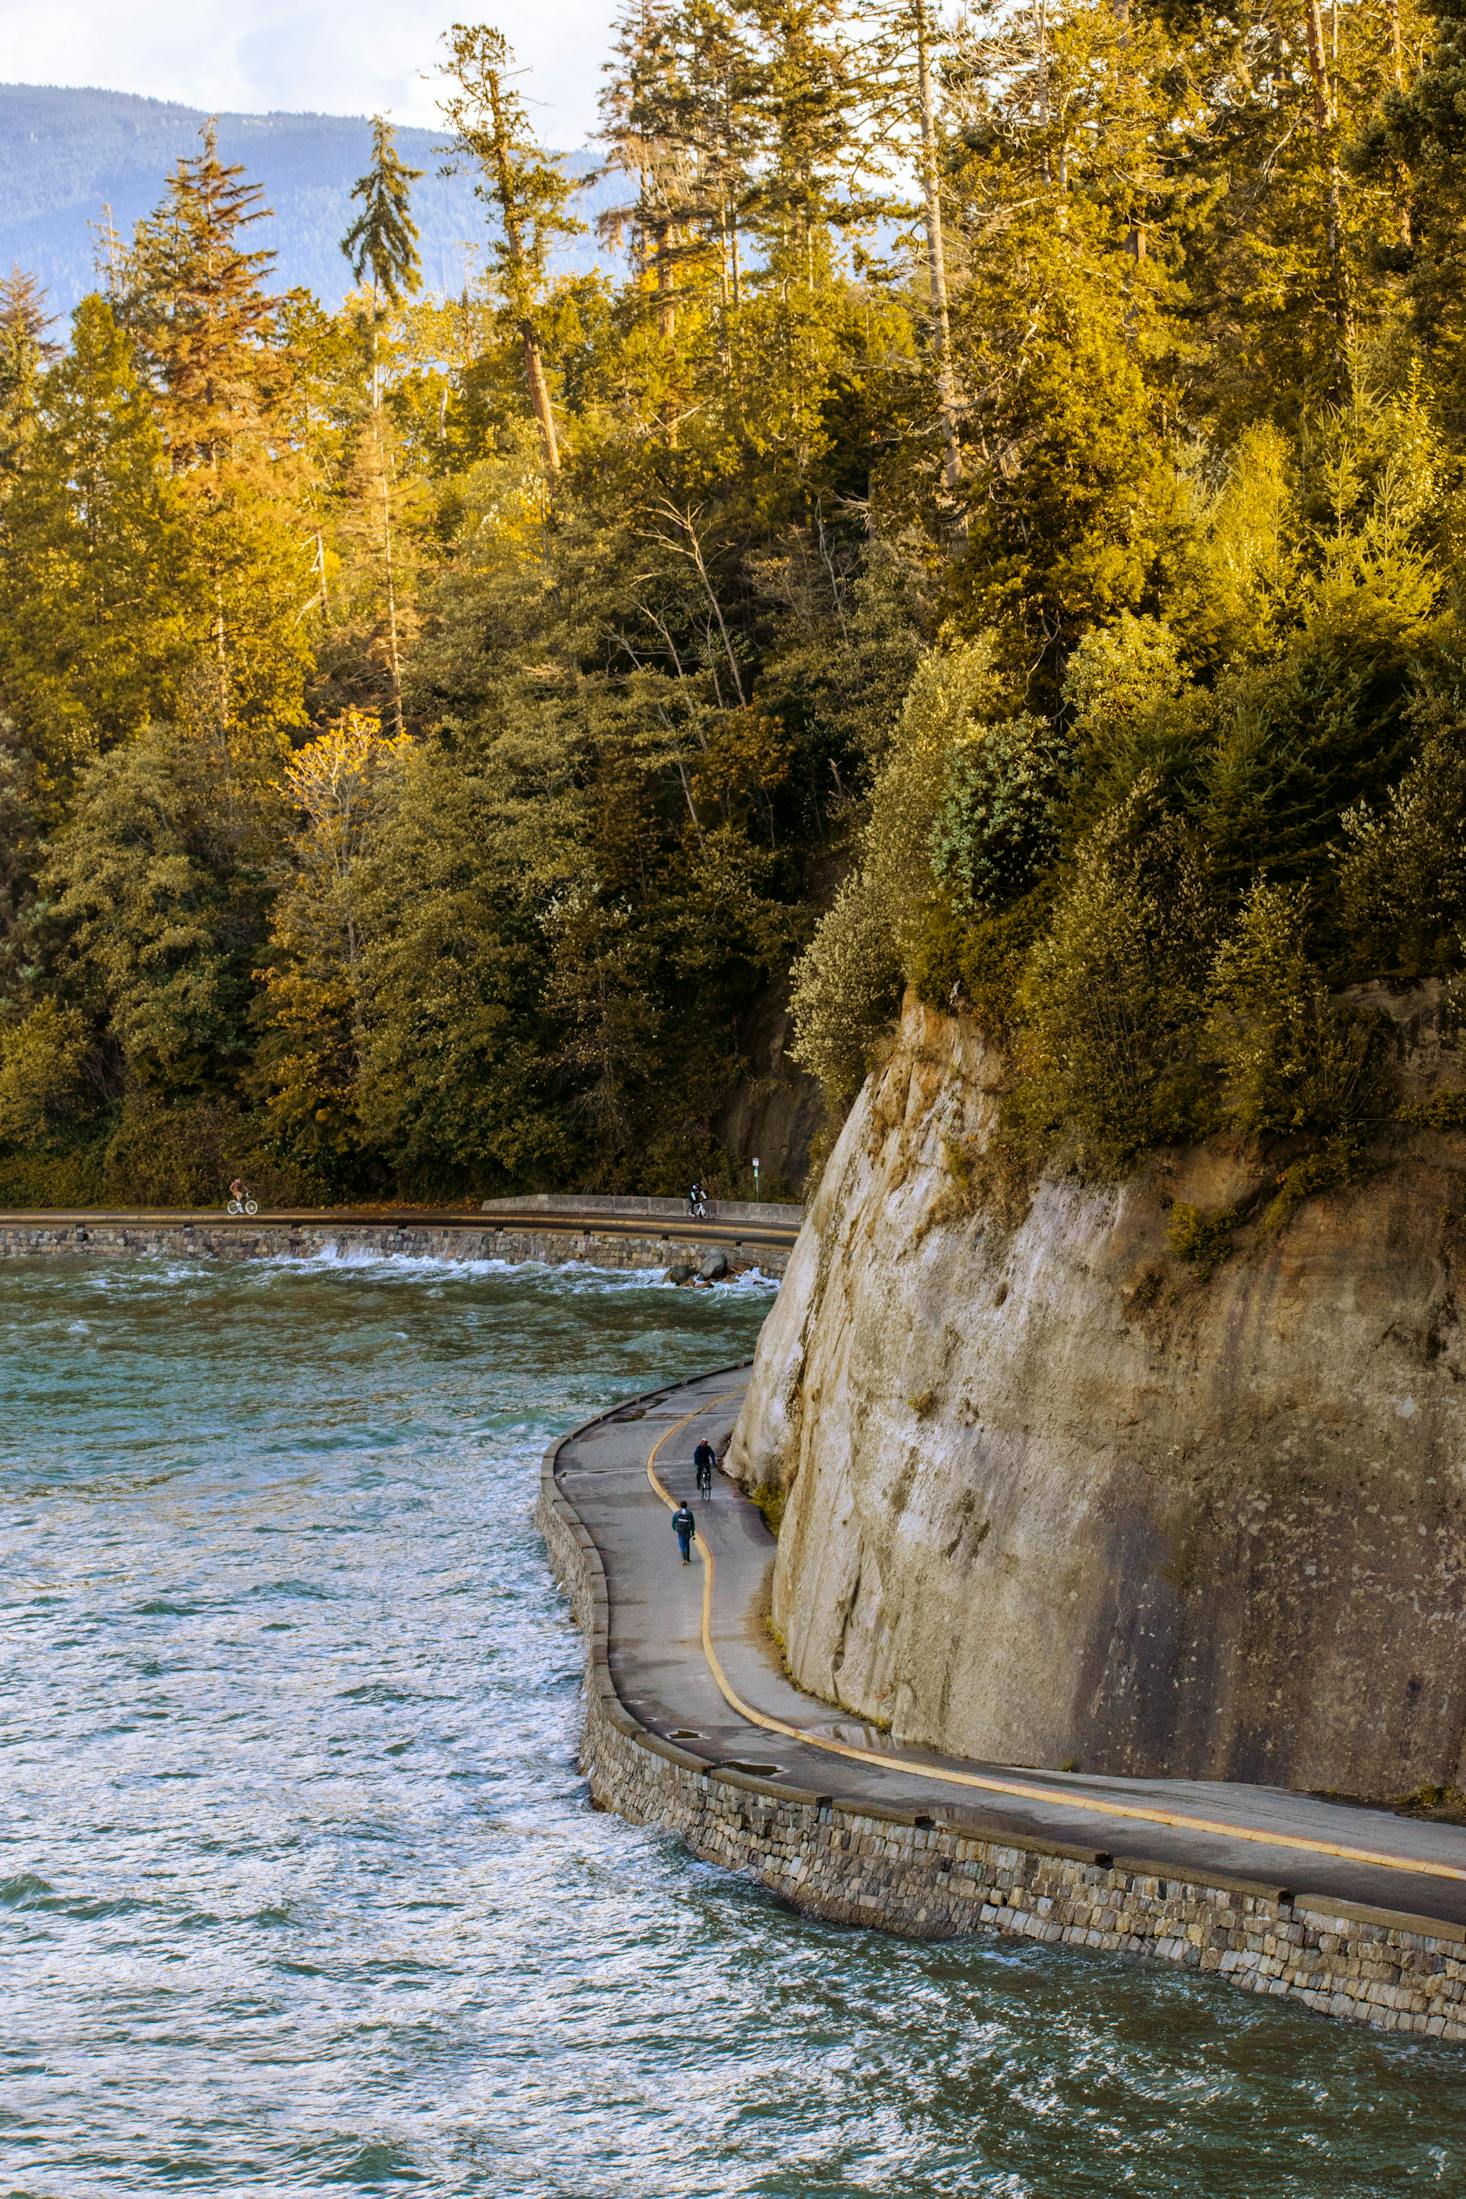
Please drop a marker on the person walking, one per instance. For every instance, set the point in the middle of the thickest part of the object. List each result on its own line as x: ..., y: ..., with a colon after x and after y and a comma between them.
x: 686, y: 1528
x: 704, y: 1458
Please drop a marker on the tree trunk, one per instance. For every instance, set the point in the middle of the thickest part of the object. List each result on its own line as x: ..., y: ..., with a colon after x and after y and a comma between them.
x: 522, y: 294
x: 539, y: 396
x: 384, y: 477
x: 221, y: 656
x: 1325, y: 130
x: 394, y: 662
x: 936, y: 250
x: 666, y: 287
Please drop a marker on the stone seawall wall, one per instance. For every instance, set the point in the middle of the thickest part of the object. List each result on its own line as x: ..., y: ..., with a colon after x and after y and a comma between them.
x: 266, y: 1240
x: 904, y: 1872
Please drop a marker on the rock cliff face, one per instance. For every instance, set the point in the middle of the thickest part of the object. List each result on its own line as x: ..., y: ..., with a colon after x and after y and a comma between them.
x: 1052, y: 1497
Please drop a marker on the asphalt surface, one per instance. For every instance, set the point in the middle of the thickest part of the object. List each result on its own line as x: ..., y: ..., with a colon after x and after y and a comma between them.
x: 677, y: 1674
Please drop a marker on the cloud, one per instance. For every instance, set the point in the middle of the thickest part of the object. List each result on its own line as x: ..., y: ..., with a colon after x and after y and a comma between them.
x: 333, y: 56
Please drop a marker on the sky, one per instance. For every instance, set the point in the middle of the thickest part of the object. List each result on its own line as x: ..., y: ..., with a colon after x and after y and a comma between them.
x: 330, y: 56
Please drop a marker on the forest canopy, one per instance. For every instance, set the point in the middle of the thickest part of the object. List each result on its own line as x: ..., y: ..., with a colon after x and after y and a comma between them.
x: 997, y: 530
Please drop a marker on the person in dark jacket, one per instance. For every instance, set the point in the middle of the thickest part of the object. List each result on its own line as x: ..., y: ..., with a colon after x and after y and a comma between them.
x: 686, y: 1527
x: 704, y: 1458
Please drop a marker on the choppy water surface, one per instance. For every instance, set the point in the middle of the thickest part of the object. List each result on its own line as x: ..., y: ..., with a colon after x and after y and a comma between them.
x: 299, y: 1890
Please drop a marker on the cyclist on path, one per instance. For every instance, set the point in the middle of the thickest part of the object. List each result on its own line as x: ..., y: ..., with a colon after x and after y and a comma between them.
x: 704, y: 1458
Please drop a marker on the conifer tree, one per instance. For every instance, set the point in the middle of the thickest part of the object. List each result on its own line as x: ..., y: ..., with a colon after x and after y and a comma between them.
x: 639, y: 126
x: 901, y: 64
x: 1426, y: 127
x: 98, y: 591
x: 24, y: 345
x: 810, y: 112
x: 196, y: 302
x: 716, y: 89
x: 24, y: 350
x: 208, y: 334
x: 381, y: 245
x: 528, y: 190
x: 338, y: 785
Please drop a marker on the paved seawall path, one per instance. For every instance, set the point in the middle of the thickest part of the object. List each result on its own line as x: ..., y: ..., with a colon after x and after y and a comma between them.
x: 692, y: 1723
x: 600, y: 1232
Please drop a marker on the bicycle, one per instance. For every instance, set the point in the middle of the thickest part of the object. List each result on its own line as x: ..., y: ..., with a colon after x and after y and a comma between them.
x: 246, y: 1205
x: 705, y: 1481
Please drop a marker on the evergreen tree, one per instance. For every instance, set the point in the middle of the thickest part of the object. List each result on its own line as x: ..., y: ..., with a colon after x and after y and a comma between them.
x: 381, y: 244
x: 157, y: 881
x: 528, y: 191
x: 306, y: 1068
x: 1425, y: 127
x: 98, y: 592
x: 641, y: 126
x: 208, y: 333
x: 24, y: 350
x: 196, y: 304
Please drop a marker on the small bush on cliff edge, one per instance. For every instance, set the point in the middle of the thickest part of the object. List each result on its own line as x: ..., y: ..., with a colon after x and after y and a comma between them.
x: 1203, y: 1240
x: 1110, y: 997
x: 845, y: 990
x: 1288, y: 1057
x: 770, y: 1500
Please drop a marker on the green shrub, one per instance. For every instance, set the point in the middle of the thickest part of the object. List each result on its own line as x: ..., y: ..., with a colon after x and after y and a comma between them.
x: 979, y: 961
x: 998, y: 823
x: 1331, y: 1165
x: 889, y: 921
x: 1111, y: 996
x: 184, y: 1154
x: 1205, y: 1240
x: 1402, y: 870
x: 1438, y: 1111
x: 770, y: 1500
x: 1288, y: 1056
x: 845, y: 988
x: 1134, y: 710
x: 43, y: 1079
x: 55, y: 1178
x: 952, y: 694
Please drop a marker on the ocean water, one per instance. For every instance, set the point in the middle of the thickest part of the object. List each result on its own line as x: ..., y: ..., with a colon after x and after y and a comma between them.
x: 300, y: 1891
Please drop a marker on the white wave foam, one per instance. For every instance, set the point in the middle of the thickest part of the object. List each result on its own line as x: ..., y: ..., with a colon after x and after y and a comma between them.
x: 369, y: 1261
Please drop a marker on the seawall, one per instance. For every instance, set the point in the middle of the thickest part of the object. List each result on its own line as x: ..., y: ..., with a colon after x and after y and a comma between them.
x: 215, y: 1238
x: 917, y: 1873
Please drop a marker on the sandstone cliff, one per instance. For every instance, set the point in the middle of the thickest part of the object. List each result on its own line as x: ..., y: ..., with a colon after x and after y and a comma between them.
x: 1053, y: 1497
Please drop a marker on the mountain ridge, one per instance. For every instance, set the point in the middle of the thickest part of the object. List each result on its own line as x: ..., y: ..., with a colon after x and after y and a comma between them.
x: 69, y: 154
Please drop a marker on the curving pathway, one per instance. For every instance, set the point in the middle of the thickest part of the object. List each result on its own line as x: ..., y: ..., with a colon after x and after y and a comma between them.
x: 691, y: 1659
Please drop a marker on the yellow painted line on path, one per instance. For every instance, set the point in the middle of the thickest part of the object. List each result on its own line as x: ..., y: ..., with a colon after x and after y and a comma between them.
x: 1053, y: 1797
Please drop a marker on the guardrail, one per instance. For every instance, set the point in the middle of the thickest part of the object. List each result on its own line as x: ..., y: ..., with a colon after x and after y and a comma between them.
x: 656, y: 1210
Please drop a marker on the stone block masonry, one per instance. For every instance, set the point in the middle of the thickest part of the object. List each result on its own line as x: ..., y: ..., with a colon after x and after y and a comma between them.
x: 909, y: 1873
x: 264, y: 1239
